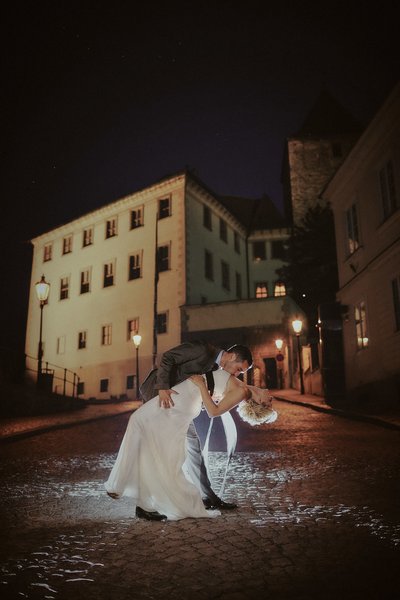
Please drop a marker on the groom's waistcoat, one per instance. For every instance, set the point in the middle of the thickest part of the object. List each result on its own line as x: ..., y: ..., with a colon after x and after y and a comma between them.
x: 177, y: 364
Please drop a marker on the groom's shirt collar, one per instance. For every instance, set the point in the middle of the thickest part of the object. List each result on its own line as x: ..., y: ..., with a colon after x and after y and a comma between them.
x: 218, y: 359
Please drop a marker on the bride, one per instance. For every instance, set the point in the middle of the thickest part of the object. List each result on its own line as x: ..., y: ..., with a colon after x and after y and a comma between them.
x: 150, y: 464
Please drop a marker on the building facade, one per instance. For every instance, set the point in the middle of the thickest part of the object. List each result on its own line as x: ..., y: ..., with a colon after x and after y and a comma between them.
x: 137, y: 265
x: 365, y: 198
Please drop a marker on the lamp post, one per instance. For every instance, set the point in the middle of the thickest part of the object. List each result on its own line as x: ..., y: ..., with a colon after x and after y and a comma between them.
x: 136, y: 340
x: 279, y: 361
x: 297, y: 325
x: 42, y: 291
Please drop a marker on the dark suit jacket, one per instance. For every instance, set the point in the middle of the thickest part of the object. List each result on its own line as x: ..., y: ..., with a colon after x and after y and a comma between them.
x: 177, y: 364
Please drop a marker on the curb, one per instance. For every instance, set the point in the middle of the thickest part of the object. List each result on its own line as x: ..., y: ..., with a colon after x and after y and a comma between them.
x: 345, y: 414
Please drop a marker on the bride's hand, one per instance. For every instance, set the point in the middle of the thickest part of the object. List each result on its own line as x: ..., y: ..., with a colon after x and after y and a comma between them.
x: 198, y: 380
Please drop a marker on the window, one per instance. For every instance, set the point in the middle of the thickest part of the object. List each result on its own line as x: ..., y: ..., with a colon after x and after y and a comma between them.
x: 135, y: 266
x: 279, y: 289
x: 223, y: 230
x: 360, y: 314
x: 137, y: 217
x: 207, y: 217
x: 130, y: 382
x: 259, y: 252
x: 61, y: 345
x: 388, y: 190
x: 82, y: 337
x: 164, y: 208
x: 162, y: 322
x: 353, y: 236
x: 278, y: 249
x: 64, y: 288
x: 85, y: 281
x: 208, y: 265
x: 67, y: 244
x: 163, y: 258
x: 396, y: 301
x: 80, y: 389
x: 133, y: 327
x: 103, y: 385
x: 87, y: 237
x: 262, y: 290
x: 238, y: 285
x: 111, y: 227
x: 236, y: 242
x: 106, y: 331
x: 225, y: 275
x: 47, y: 252
x: 108, y: 278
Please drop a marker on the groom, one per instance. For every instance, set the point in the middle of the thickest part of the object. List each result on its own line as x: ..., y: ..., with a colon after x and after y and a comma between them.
x: 176, y: 365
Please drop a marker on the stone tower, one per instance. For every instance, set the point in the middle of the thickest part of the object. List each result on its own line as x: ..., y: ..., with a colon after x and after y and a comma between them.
x: 313, y: 154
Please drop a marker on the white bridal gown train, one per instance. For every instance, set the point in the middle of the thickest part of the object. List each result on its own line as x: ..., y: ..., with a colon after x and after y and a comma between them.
x: 150, y: 464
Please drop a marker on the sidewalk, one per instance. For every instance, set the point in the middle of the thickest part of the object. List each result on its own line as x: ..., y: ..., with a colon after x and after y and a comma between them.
x: 18, y: 427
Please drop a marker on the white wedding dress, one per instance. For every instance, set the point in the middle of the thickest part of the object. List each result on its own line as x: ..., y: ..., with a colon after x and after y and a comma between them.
x: 150, y: 464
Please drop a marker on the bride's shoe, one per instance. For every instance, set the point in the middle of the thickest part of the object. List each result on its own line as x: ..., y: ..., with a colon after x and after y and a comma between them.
x: 113, y: 495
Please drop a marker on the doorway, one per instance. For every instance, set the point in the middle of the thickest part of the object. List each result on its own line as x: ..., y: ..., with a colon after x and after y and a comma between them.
x: 271, y: 375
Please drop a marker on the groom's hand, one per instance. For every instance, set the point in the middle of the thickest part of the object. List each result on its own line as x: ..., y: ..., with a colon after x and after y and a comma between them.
x: 165, y: 398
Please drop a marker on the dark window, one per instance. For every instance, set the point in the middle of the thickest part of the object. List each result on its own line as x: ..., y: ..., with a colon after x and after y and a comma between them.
x: 85, y: 281
x: 111, y: 228
x: 47, y: 253
x: 236, y: 242
x: 135, y: 268
x: 82, y: 335
x: 67, y: 245
x: 108, y: 274
x: 163, y: 258
x: 162, y: 323
x: 80, y: 388
x: 223, y: 230
x: 353, y: 235
x: 87, y: 237
x: 238, y: 286
x: 207, y: 217
x: 208, y: 266
x: 130, y: 382
x: 137, y: 218
x: 388, y: 190
x: 225, y: 275
x: 278, y: 249
x: 103, y: 385
x: 164, y: 208
x: 64, y: 288
x: 259, y: 251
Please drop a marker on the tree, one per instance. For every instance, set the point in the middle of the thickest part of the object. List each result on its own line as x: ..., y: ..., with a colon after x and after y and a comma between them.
x: 311, y: 276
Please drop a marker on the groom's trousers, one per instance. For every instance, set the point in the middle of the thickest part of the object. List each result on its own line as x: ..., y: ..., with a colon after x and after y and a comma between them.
x: 195, y: 465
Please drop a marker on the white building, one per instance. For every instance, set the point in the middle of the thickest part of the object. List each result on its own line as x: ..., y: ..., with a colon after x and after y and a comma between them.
x: 365, y: 198
x: 102, y: 271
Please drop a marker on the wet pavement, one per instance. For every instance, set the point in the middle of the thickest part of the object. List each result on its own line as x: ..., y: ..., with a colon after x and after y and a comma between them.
x: 318, y: 517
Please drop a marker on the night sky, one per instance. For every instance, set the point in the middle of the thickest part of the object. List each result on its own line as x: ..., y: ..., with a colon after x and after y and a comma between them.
x: 101, y: 102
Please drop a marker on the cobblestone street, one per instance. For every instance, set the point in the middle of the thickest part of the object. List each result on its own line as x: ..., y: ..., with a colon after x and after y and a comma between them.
x: 318, y: 518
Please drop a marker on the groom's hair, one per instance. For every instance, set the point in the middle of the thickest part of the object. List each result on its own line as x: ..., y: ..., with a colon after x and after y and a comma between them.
x: 242, y: 352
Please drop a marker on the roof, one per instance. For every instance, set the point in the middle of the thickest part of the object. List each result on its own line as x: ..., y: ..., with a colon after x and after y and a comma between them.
x: 254, y: 214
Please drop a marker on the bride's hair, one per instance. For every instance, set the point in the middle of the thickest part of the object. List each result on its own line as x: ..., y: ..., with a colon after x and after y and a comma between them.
x: 254, y: 413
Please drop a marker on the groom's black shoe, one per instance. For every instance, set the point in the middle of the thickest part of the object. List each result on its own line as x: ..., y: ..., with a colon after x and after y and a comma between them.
x: 149, y: 516
x: 218, y: 504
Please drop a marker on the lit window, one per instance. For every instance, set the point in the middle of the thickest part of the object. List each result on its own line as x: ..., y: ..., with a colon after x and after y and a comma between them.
x: 111, y: 227
x: 67, y: 245
x: 360, y: 314
x: 47, y: 252
x: 135, y: 266
x: 64, y: 288
x: 87, y: 237
x: 108, y: 278
x: 137, y: 217
x: 280, y: 289
x: 82, y: 337
x: 207, y: 217
x: 85, y: 281
x: 353, y: 235
x: 223, y: 230
x: 133, y: 327
x: 103, y: 385
x: 162, y: 322
x: 262, y: 290
x: 396, y: 301
x: 225, y: 275
x: 388, y: 190
x: 208, y: 266
x: 106, y: 331
x: 164, y: 208
x: 259, y: 252
x: 163, y: 258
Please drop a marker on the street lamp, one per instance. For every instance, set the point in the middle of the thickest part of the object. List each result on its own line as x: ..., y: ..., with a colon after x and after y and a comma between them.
x: 42, y: 291
x: 136, y: 340
x: 279, y: 361
x: 297, y: 325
